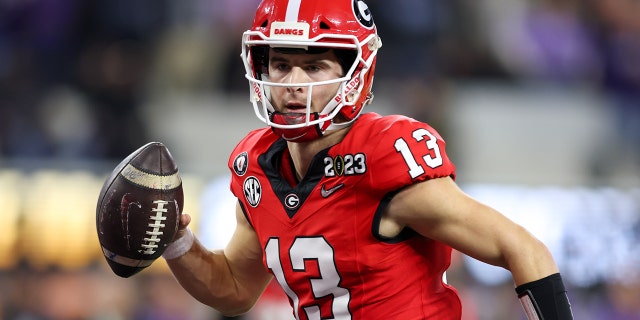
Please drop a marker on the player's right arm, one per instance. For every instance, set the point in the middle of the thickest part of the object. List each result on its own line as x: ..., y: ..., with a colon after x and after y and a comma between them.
x: 229, y: 280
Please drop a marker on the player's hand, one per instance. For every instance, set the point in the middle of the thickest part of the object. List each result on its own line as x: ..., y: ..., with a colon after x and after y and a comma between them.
x: 183, y: 223
x: 182, y: 241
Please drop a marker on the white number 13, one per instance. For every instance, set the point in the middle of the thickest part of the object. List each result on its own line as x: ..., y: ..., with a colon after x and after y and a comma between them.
x: 434, y: 161
x: 303, y: 250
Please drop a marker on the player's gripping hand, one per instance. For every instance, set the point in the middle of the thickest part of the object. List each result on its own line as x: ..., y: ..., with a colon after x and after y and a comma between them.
x: 182, y: 241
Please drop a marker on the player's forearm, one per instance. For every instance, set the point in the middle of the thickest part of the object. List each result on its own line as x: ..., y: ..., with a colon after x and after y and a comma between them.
x: 528, y: 260
x: 539, y: 285
x: 207, y: 277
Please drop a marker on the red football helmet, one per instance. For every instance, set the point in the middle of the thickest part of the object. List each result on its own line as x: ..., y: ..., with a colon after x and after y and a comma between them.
x: 312, y: 25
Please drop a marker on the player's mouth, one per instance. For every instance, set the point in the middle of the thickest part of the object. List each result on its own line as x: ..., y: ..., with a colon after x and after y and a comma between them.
x: 295, y: 107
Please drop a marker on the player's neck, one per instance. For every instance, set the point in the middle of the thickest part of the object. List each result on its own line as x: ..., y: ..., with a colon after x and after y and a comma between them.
x: 302, y: 153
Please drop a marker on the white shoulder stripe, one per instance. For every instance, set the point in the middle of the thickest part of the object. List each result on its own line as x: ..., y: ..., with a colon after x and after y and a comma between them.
x: 151, y: 181
x: 293, y: 10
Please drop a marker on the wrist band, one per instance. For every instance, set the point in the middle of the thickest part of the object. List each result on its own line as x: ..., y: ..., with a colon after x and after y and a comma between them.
x: 545, y: 299
x: 179, y: 247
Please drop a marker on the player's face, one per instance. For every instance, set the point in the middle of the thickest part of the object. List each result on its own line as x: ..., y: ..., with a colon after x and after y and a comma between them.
x: 302, y: 67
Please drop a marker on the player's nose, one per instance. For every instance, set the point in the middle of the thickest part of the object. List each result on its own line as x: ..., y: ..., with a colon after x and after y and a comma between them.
x: 296, y: 76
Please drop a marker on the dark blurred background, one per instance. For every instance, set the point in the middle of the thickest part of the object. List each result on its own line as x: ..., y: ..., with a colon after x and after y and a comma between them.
x: 539, y: 101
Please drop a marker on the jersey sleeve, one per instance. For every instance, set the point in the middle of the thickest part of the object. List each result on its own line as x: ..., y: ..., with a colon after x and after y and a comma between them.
x: 407, y: 151
x: 243, y: 160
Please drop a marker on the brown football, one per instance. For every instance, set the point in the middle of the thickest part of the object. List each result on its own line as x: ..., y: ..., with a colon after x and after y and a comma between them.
x: 139, y: 209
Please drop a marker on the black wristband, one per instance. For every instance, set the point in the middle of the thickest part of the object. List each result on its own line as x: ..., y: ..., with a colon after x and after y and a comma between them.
x: 545, y: 299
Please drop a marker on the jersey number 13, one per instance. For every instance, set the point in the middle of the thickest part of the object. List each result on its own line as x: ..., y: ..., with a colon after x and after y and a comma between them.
x: 303, y: 250
x: 432, y: 158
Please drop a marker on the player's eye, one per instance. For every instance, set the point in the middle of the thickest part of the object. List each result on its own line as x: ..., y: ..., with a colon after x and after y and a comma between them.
x: 281, y: 66
x: 313, y: 68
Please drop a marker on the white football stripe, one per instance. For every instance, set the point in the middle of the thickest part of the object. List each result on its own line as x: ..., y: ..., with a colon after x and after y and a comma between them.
x: 126, y: 261
x: 293, y: 9
x: 151, y: 181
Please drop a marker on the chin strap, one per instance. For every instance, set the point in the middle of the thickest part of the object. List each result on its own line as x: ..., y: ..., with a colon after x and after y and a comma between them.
x: 307, y: 133
x: 302, y: 134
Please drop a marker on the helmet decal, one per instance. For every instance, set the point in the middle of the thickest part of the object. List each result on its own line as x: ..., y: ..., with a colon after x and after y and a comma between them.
x: 363, y: 14
x: 290, y: 30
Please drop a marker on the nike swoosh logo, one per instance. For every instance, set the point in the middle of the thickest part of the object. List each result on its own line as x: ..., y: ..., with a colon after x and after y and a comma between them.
x: 294, y: 138
x: 327, y: 192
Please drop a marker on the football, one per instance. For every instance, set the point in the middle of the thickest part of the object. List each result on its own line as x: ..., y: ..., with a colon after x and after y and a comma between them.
x: 139, y: 208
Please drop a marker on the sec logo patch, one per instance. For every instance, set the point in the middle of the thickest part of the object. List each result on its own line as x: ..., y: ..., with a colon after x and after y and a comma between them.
x: 252, y: 191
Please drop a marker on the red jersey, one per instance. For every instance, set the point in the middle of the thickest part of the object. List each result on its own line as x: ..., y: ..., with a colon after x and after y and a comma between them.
x: 320, y: 236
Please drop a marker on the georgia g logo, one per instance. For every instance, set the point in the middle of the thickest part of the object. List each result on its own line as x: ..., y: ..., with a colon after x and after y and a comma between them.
x: 292, y: 201
x: 362, y: 13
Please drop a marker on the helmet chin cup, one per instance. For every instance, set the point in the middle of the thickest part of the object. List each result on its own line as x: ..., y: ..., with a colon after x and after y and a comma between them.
x: 300, y: 134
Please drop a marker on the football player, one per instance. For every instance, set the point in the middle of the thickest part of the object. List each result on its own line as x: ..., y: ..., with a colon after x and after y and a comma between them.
x: 354, y: 214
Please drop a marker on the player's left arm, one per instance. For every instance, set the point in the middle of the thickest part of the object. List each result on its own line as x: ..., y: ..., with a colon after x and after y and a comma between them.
x: 440, y: 210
